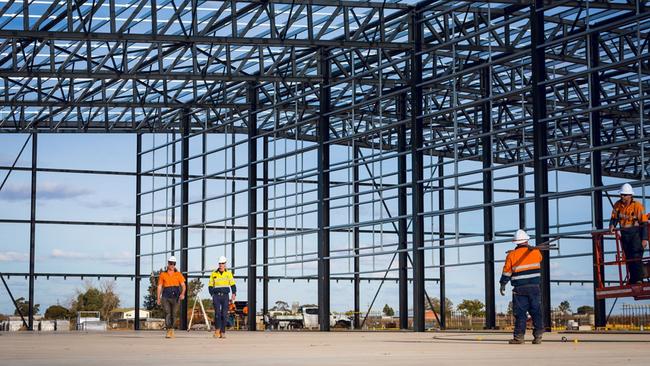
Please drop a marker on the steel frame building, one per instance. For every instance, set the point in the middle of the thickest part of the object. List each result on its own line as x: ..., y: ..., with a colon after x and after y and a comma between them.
x: 423, y: 113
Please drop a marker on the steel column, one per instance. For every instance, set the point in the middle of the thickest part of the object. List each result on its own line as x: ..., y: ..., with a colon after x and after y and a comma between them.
x: 173, y: 214
x: 185, y: 197
x: 265, y: 229
x: 323, y: 195
x: 540, y: 131
x: 417, y: 171
x: 596, y: 169
x: 204, y: 191
x: 252, y: 206
x: 402, y: 224
x: 32, y: 234
x: 488, y: 226
x: 356, y: 238
x: 138, y: 221
x: 521, y: 194
x: 441, y: 229
x: 233, y: 202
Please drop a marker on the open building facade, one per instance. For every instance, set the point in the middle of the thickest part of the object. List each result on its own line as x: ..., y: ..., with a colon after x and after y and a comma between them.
x: 344, y: 141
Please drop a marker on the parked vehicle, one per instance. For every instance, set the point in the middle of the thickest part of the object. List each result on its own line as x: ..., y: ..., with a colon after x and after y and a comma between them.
x: 305, y: 318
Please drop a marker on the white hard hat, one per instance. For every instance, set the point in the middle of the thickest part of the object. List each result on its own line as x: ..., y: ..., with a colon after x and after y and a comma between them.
x: 626, y: 189
x: 520, y: 237
x: 172, y: 259
x: 222, y: 259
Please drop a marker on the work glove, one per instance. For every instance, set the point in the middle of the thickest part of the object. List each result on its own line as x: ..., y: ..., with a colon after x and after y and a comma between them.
x: 502, y: 290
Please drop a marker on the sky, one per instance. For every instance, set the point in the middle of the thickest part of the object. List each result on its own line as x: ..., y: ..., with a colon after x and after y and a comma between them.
x: 110, y: 249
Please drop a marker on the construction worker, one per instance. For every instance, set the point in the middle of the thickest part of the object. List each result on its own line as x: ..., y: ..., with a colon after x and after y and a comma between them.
x: 220, y: 285
x: 522, y: 268
x: 171, y: 290
x: 629, y: 215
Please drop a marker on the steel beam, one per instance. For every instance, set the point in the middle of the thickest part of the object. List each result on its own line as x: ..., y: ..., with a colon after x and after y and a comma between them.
x: 32, y: 233
x: 402, y: 224
x: 185, y: 198
x: 138, y: 221
x: 13, y: 300
x: 540, y: 131
x: 252, y: 206
x: 417, y: 171
x: 323, y: 195
x: 32, y: 36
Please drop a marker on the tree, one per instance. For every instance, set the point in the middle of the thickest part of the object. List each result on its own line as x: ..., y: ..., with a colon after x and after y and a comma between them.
x: 280, y: 306
x: 449, y: 305
x: 110, y: 299
x: 510, y: 310
x: 150, y: 300
x: 564, y: 307
x: 585, y: 309
x: 23, y: 305
x: 103, y: 299
x: 194, y: 288
x: 388, y: 311
x: 472, y: 308
x: 57, y: 312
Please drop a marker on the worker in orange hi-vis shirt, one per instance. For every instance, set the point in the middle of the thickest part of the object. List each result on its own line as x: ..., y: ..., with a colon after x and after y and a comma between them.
x: 171, y: 290
x: 630, y: 216
x: 523, y: 268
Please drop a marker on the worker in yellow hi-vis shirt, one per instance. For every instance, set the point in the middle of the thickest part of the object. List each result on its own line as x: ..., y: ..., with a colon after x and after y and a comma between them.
x: 220, y: 285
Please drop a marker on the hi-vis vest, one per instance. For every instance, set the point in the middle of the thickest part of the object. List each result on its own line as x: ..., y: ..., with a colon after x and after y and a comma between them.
x: 523, y: 267
x: 221, y: 281
x: 628, y: 215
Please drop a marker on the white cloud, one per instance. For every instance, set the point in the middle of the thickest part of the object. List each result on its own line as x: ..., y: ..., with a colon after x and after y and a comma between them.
x: 13, y: 257
x: 44, y: 191
x: 58, y: 253
x: 105, y: 203
x: 119, y: 258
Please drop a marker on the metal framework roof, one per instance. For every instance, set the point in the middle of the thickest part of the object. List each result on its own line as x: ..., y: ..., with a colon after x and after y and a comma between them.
x: 121, y: 66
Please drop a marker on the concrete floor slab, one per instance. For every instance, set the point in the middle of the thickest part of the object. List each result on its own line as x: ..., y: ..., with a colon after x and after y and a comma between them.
x: 313, y: 348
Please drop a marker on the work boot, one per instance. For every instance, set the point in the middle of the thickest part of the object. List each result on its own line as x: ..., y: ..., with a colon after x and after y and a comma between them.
x: 537, y: 340
x: 222, y: 335
x: 217, y: 334
x: 168, y: 334
x: 172, y: 333
x: 516, y: 340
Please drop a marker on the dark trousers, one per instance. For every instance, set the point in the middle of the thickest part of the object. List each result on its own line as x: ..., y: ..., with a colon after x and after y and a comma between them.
x: 631, y: 243
x: 170, y: 305
x: 220, y: 302
x: 527, y: 299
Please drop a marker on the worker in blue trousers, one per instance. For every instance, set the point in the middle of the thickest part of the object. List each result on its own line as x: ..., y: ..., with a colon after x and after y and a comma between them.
x: 220, y: 285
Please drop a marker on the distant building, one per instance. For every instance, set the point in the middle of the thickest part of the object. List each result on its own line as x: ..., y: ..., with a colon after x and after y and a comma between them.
x: 127, y: 314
